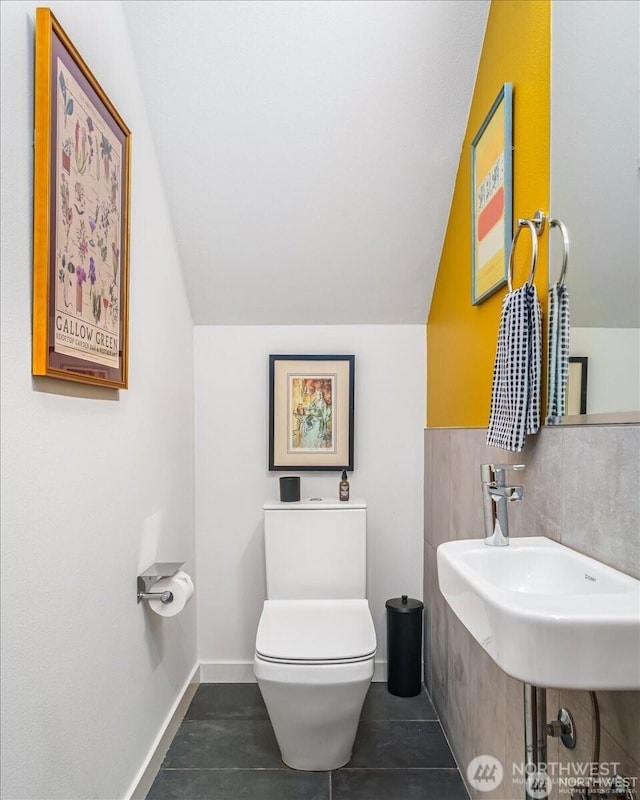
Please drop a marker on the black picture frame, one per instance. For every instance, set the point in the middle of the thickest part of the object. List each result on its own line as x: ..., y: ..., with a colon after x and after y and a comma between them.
x: 311, y: 402
x: 577, y: 395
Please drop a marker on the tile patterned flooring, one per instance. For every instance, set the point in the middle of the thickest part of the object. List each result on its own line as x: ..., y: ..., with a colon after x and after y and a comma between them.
x: 225, y: 749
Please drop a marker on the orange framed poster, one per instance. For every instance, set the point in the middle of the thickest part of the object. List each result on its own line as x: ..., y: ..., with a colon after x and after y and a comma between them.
x: 81, y: 219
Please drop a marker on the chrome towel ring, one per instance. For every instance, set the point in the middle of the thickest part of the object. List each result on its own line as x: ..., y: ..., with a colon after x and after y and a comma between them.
x: 556, y: 223
x: 536, y: 226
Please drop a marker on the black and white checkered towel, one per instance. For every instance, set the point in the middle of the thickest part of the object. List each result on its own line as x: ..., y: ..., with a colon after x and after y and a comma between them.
x: 558, y: 350
x: 515, y: 399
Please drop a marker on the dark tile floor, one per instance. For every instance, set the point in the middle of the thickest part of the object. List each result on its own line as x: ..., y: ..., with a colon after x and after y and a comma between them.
x: 225, y: 749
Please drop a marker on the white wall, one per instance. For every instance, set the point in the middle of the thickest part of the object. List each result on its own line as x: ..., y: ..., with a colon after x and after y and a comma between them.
x: 88, y: 676
x: 319, y: 134
x: 612, y: 369
x: 232, y: 479
x: 595, y: 128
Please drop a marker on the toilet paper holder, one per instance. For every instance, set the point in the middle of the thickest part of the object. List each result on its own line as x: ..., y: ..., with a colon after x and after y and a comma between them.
x: 152, y: 574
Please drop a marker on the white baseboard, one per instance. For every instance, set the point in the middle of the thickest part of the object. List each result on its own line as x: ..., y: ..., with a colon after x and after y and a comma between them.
x: 227, y: 672
x: 147, y: 773
x: 242, y: 672
x: 380, y: 671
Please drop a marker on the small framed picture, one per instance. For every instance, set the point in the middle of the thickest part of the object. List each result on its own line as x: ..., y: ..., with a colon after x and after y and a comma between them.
x: 311, y: 411
x: 577, y: 385
x: 492, y: 197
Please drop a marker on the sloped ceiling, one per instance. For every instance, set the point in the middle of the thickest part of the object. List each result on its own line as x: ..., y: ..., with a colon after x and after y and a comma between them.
x: 308, y: 149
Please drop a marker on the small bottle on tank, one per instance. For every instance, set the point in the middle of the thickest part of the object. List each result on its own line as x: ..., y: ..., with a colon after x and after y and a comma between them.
x: 344, y: 486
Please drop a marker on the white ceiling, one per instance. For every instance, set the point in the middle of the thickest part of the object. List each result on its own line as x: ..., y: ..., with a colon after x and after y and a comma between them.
x: 308, y: 149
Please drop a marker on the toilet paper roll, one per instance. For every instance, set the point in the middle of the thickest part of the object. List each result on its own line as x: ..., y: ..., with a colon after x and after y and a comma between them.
x: 181, y: 585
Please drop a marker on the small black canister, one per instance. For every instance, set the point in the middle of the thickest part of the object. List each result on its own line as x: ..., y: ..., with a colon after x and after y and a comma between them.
x: 289, y: 489
x: 404, y: 646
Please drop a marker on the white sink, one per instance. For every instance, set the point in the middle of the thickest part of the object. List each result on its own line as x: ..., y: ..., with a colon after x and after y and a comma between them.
x: 547, y: 615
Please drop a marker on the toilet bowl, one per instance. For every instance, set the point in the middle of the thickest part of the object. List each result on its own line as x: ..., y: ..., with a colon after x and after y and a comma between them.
x: 316, y: 643
x: 314, y: 662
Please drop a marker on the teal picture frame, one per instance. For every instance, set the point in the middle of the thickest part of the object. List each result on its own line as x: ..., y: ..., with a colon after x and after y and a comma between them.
x: 492, y: 198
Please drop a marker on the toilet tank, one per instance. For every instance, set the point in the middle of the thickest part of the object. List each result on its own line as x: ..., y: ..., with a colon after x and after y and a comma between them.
x: 316, y: 550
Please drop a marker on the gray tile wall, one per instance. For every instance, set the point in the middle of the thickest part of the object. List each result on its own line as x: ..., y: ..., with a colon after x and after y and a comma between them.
x: 582, y: 488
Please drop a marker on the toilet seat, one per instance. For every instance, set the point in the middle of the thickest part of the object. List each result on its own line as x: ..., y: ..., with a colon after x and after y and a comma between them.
x: 315, y: 632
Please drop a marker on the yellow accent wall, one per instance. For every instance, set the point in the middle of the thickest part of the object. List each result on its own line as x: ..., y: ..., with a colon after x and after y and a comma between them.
x: 461, y: 338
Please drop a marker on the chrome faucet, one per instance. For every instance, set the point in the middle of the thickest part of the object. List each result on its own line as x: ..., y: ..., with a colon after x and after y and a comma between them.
x: 495, y: 496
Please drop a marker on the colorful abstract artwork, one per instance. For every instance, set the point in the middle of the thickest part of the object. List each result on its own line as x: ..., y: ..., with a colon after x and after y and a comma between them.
x: 310, y: 418
x: 491, y: 178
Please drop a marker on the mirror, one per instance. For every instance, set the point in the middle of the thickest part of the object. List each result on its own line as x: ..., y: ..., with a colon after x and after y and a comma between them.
x: 595, y: 149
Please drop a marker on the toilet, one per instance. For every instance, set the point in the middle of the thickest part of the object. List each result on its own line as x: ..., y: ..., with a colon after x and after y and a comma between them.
x: 316, y: 644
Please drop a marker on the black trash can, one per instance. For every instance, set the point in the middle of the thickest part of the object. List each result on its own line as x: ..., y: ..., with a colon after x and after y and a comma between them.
x: 404, y: 646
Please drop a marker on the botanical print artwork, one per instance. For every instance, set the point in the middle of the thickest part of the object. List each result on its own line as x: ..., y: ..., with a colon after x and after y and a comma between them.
x: 88, y: 223
x: 311, y: 424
